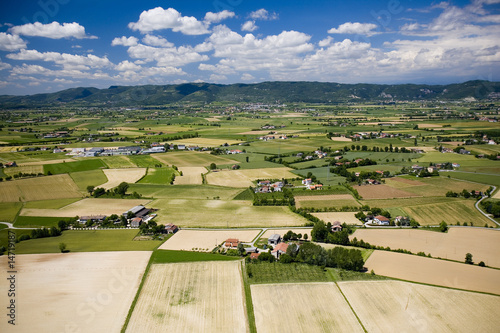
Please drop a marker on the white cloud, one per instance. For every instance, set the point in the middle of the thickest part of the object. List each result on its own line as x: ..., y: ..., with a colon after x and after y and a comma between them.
x: 68, y: 61
x: 10, y: 42
x: 247, y: 77
x: 325, y: 42
x: 220, y: 69
x: 159, y: 19
x: 130, y: 41
x: 156, y: 41
x: 3, y: 65
x: 52, y: 30
x: 217, y: 78
x: 263, y: 14
x: 168, y: 56
x: 127, y: 66
x: 217, y: 17
x: 249, y: 26
x: 354, y: 28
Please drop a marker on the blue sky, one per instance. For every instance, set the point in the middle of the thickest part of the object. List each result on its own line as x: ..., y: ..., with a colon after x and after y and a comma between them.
x: 50, y: 45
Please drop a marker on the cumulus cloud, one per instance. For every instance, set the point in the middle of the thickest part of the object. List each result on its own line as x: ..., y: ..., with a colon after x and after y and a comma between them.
x: 217, y: 78
x: 125, y: 41
x: 325, y: 42
x: 160, y: 19
x: 3, y: 65
x: 263, y: 14
x: 52, y: 30
x: 217, y: 17
x: 166, y: 56
x: 10, y: 42
x: 249, y: 26
x: 354, y: 28
x: 67, y: 61
x: 156, y: 41
x: 247, y: 77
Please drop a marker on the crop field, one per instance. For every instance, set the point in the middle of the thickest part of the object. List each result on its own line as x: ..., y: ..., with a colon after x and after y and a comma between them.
x: 143, y: 161
x: 206, y: 240
x: 305, y: 307
x: 191, y: 158
x: 438, y: 186
x: 322, y: 201
x: 191, y: 297
x: 450, y: 212
x: 223, y: 214
x: 347, y: 217
x: 266, y: 272
x: 9, y: 210
x: 434, y: 271
x: 118, y: 162
x: 490, y: 179
x: 81, y: 165
x: 116, y: 176
x: 204, y: 142
x: 185, y: 191
x: 23, y: 169
x: 39, y: 188
x: 88, y: 206
x: 50, y: 204
x: 190, y: 176
x: 83, y: 179
x: 244, y: 178
x: 81, y: 291
x: 158, y: 176
x: 396, y: 306
x: 484, y: 244
x: 382, y: 192
x: 323, y: 174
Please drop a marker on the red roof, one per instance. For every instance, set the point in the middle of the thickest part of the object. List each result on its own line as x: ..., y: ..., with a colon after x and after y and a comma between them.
x: 254, y: 255
x: 381, y: 218
x: 281, y: 247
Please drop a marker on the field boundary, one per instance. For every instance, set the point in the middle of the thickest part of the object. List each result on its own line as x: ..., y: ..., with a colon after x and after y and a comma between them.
x: 250, y: 314
x: 350, y: 306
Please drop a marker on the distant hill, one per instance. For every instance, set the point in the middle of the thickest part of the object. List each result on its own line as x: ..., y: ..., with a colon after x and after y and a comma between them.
x: 265, y: 92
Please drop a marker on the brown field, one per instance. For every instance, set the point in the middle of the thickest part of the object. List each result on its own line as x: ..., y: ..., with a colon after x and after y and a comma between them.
x: 77, y: 292
x: 484, y: 244
x: 496, y: 195
x: 116, y: 176
x: 89, y: 206
x: 319, y: 201
x: 281, y: 232
x: 206, y: 240
x: 39, y: 188
x: 215, y: 118
x: 409, y: 182
x: 191, y: 297
x: 35, y: 168
x: 434, y: 271
x: 382, y: 192
x: 190, y: 176
x: 304, y: 307
x: 48, y: 162
x: 341, y: 139
x: 396, y: 306
x: 347, y: 217
x: 244, y: 178
x: 191, y: 158
x: 204, y: 142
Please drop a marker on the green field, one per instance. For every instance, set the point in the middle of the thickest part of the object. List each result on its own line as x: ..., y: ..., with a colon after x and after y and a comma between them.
x: 171, y: 256
x: 266, y: 272
x: 9, y: 211
x: 117, y: 162
x: 322, y: 174
x: 82, y: 165
x: 83, y: 179
x: 144, y: 161
x: 158, y: 176
x: 36, y: 221
x: 184, y: 191
x: 50, y: 204
x: 192, y: 158
x: 490, y: 179
x: 88, y: 241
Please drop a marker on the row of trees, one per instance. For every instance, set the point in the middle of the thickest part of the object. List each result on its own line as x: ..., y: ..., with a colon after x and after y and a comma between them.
x: 465, y: 193
x: 313, y: 254
x: 118, y: 192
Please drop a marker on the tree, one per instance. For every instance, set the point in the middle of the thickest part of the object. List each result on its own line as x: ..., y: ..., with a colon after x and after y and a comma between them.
x: 319, y: 232
x: 213, y: 166
x: 305, y: 236
x: 468, y: 259
x: 241, y: 249
x: 62, y: 247
x: 62, y: 224
x: 482, y: 264
x: 443, y: 227
x: 122, y: 188
x: 246, y: 159
x: 90, y: 189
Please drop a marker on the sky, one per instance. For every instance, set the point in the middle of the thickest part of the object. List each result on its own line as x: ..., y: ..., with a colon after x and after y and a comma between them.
x: 51, y: 45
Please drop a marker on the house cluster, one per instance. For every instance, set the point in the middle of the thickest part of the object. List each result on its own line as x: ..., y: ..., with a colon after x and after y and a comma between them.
x: 373, y: 135
x: 490, y: 120
x: 140, y: 215
x: 488, y: 141
x: 310, y: 186
x: 59, y: 134
x: 266, y: 186
x: 378, y: 219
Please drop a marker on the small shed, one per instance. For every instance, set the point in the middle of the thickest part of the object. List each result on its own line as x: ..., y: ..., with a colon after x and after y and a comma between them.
x: 171, y: 228
x: 274, y: 239
x: 136, y: 222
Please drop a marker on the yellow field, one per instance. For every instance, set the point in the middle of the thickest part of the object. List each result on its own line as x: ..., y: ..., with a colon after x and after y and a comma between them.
x: 190, y: 176
x: 39, y: 188
x: 484, y: 244
x: 304, y: 307
x: 24, y: 169
x: 347, y: 217
x: 334, y: 200
x: 204, y: 142
x: 382, y: 191
x: 281, y: 232
x: 191, y: 297
x: 89, y: 206
x: 48, y: 162
x: 205, y: 240
x: 116, y: 176
x: 244, y: 178
x: 79, y: 292
x: 191, y: 158
x: 434, y: 271
x: 222, y: 214
x: 341, y: 139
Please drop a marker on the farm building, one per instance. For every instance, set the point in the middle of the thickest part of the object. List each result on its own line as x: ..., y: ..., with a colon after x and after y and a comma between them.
x: 171, y: 228
x: 231, y: 243
x: 153, y: 150
x: 336, y: 226
x: 381, y: 220
x: 93, y: 218
x: 138, y: 211
x: 279, y: 250
x: 121, y: 151
x: 136, y: 222
x: 254, y: 255
x: 402, y: 220
x: 10, y: 164
x: 274, y: 239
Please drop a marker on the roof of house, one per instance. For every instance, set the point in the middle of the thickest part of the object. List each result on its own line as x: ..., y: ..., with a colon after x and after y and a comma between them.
x: 336, y: 223
x: 280, y: 247
x: 93, y: 217
x: 274, y: 237
x: 381, y: 218
x: 254, y: 255
x: 137, y: 219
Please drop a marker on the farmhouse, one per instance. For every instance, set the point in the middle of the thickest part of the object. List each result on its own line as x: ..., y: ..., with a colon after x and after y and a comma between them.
x: 279, y: 250
x: 402, y: 220
x: 336, y: 226
x: 274, y: 239
x: 231, y: 243
x: 381, y: 220
x: 93, y: 218
x: 138, y: 211
x: 171, y: 228
x: 10, y: 164
x: 136, y: 222
x: 254, y: 255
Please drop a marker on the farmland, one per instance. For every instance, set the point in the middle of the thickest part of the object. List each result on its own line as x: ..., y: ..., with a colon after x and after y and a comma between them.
x: 116, y: 176
x: 382, y: 192
x: 322, y: 308
x: 83, y: 179
x: 245, y: 178
x: 190, y: 176
x: 158, y: 176
x: 200, y: 296
x: 347, y: 217
x: 326, y: 201
x: 40, y: 188
x: 71, y: 281
x: 384, y: 306
x: 84, y: 165
x: 190, y: 158
x: 205, y: 240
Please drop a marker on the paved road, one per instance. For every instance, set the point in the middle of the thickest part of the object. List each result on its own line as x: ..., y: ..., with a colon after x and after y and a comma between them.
x: 11, y: 226
x: 485, y: 214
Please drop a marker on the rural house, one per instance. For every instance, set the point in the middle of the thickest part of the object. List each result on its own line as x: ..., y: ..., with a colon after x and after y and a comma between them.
x: 136, y: 222
x: 231, y: 243
x: 171, y: 228
x: 336, y: 226
x: 381, y: 220
x: 274, y: 239
x: 279, y: 250
x: 93, y: 218
x: 254, y: 255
